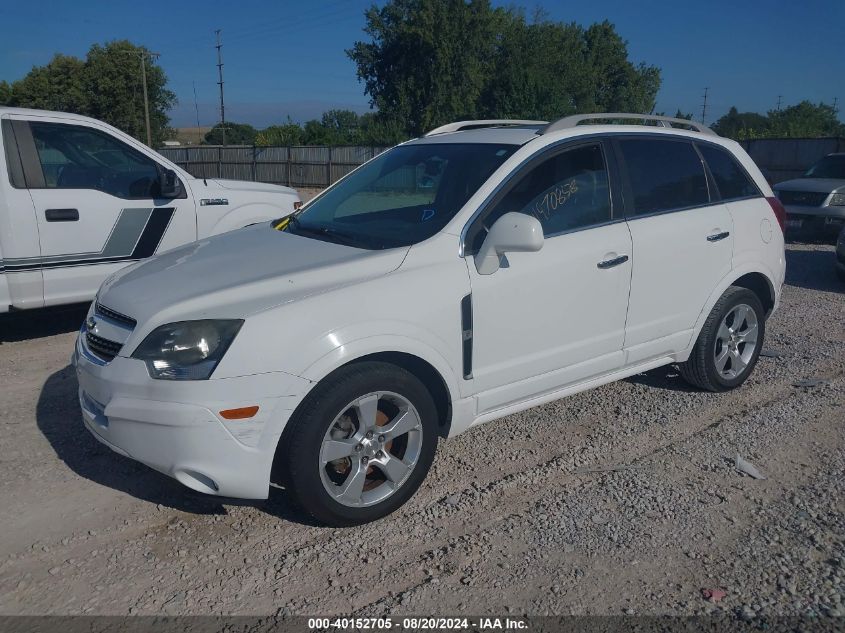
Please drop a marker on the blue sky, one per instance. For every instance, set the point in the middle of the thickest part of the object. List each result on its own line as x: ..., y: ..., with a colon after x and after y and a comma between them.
x: 287, y: 57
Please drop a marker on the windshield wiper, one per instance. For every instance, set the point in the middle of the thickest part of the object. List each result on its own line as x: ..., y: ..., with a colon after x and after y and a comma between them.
x: 333, y: 234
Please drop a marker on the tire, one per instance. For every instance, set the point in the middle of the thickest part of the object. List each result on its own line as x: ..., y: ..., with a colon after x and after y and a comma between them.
x: 333, y: 421
x: 718, y: 363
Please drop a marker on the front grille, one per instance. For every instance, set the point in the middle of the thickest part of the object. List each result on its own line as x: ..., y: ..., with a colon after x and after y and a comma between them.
x: 115, y: 316
x: 802, y: 198
x: 102, y: 347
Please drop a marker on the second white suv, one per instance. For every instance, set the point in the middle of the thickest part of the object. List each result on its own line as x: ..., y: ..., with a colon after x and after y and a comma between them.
x: 486, y: 268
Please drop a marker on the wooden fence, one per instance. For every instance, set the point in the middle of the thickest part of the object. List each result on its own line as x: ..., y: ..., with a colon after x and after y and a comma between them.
x: 311, y: 166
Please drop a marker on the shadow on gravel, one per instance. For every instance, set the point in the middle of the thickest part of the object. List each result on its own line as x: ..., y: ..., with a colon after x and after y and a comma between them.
x: 812, y: 270
x: 32, y: 324
x: 666, y: 377
x: 60, y: 420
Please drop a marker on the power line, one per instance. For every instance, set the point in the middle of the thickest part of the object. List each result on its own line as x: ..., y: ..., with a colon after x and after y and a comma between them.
x: 704, y: 106
x: 219, y: 46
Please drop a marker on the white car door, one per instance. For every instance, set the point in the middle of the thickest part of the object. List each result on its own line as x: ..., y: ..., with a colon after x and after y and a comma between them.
x: 96, y: 205
x: 683, y: 243
x: 557, y: 316
x: 21, y: 284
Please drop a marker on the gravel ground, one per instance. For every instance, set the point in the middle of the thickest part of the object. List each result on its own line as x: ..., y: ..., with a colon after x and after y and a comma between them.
x: 621, y: 500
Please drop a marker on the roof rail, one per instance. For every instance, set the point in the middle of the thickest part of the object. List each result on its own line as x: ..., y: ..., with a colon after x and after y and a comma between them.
x: 664, y: 121
x: 457, y: 126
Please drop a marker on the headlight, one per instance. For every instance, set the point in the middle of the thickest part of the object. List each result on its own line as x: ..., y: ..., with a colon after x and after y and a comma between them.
x: 187, y: 350
x: 837, y: 200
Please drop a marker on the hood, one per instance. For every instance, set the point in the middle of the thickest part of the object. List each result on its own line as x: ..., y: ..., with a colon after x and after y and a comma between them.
x: 248, y: 185
x: 237, y: 274
x: 819, y: 185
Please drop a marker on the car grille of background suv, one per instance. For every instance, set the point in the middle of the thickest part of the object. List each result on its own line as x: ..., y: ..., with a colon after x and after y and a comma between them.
x: 101, y: 347
x: 802, y: 198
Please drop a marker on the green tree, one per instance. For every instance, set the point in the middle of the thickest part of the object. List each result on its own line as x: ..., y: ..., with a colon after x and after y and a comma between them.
x: 58, y: 85
x: 5, y: 93
x: 106, y: 85
x: 235, y: 134
x: 433, y: 61
x: 805, y: 120
x: 740, y: 125
x: 618, y: 85
x: 427, y: 61
x: 113, y: 81
x: 315, y: 133
x: 288, y: 134
x: 344, y: 127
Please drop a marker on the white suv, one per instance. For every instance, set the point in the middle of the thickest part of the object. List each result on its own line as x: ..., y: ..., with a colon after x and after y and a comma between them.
x: 486, y: 268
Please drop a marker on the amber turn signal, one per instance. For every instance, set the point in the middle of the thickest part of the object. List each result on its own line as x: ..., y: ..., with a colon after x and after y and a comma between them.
x: 239, y: 414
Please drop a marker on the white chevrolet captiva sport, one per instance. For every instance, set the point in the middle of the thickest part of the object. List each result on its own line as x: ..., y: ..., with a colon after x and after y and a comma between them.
x: 488, y: 267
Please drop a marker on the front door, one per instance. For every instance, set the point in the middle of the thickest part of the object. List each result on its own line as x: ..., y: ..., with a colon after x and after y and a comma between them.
x: 555, y: 317
x: 97, y: 208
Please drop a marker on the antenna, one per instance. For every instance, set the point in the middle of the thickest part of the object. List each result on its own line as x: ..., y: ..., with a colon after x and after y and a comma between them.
x: 220, y: 83
x: 704, y: 106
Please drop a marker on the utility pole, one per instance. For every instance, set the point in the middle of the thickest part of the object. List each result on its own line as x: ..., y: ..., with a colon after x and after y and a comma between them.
x: 143, y: 55
x: 779, y: 101
x: 704, y: 106
x: 835, y: 105
x: 220, y: 83
x: 197, y: 110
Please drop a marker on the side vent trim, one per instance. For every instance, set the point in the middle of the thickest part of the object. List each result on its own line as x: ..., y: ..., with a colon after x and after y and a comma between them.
x: 466, y: 335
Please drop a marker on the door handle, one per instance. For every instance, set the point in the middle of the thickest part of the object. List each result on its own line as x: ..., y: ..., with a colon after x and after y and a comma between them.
x: 610, y: 263
x: 62, y: 215
x: 718, y: 236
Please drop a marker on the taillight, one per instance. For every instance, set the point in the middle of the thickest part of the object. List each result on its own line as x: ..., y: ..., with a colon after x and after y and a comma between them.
x: 780, y: 212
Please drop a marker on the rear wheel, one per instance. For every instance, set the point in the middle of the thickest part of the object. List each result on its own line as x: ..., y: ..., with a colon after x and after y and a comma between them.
x: 361, y: 443
x: 729, y: 343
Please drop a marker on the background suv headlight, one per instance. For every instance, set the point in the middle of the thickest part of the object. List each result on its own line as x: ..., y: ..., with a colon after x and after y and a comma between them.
x: 187, y: 350
x: 837, y: 200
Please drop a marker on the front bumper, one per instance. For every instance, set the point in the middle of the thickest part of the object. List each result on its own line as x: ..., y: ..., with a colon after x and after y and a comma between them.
x: 175, y: 428
x: 814, y: 221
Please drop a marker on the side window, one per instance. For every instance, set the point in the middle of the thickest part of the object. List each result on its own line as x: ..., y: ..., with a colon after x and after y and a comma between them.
x: 565, y: 192
x: 75, y: 157
x: 664, y: 175
x: 731, y: 179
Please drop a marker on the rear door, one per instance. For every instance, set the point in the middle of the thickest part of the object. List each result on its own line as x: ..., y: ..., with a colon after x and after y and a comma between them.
x: 96, y: 205
x: 682, y: 241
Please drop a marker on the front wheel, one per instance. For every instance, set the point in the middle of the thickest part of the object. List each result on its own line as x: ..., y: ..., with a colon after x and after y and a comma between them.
x: 729, y: 343
x: 361, y: 443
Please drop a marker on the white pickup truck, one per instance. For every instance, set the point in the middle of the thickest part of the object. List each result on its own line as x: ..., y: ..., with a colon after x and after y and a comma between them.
x: 80, y: 199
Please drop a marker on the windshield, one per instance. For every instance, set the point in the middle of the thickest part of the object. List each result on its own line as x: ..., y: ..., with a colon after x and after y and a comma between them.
x: 828, y: 167
x: 402, y: 197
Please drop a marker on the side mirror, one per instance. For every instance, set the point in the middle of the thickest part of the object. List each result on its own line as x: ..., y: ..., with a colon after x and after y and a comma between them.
x: 169, y: 184
x: 511, y: 233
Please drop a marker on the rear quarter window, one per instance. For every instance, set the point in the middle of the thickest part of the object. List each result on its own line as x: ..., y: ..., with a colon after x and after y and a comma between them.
x: 664, y: 175
x: 731, y: 179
